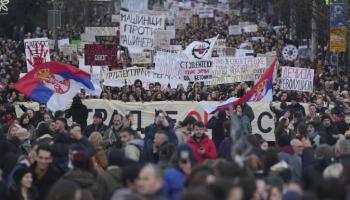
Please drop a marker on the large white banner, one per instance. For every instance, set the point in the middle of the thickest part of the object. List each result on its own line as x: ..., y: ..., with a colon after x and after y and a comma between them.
x: 101, y: 31
x: 143, y: 113
x: 295, y: 78
x: 135, y: 5
x: 37, y: 51
x: 137, y: 30
x: 128, y: 76
x: 236, y: 69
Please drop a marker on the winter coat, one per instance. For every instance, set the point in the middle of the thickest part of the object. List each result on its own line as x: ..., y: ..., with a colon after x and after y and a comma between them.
x: 294, y: 161
x: 84, y: 144
x: 79, y: 113
x: 133, y: 149
x: 296, y: 108
x: 112, y: 134
x: 60, y: 150
x: 84, y: 179
x: 44, y: 184
x: 174, y: 183
x: 160, y: 195
x: 224, y: 150
x: 182, y: 135
x: 153, y: 128
x: 207, y: 144
x: 218, y: 132
x: 101, y: 128
x: 327, y: 134
x: 107, y: 182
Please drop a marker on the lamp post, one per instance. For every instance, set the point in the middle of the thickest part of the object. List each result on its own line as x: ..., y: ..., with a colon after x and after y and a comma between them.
x: 54, y: 20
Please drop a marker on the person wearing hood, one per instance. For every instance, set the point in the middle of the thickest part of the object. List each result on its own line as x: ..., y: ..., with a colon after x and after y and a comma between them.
x: 295, y: 107
x: 132, y: 144
x: 79, y: 140
x: 216, y: 124
x: 23, y: 188
x: 287, y: 154
x: 78, y: 111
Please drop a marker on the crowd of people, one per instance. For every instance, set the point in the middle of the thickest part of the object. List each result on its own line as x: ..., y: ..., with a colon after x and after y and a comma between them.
x: 42, y: 157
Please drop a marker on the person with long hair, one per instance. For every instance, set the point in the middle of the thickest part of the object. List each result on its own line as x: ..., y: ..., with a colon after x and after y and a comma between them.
x: 23, y: 189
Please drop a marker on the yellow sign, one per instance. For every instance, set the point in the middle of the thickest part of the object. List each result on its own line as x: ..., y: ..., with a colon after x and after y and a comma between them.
x: 337, y: 42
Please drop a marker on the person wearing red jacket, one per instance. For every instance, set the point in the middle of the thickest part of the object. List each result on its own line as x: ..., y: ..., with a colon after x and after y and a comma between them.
x: 202, y: 146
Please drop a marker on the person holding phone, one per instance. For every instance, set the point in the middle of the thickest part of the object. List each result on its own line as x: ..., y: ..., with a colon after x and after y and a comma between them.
x: 202, y: 146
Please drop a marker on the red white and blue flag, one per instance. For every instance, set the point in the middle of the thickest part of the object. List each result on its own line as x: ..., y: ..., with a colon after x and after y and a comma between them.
x: 55, y: 84
x: 260, y: 92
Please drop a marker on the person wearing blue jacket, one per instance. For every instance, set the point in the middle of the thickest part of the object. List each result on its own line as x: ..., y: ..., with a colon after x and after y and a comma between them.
x: 175, y: 178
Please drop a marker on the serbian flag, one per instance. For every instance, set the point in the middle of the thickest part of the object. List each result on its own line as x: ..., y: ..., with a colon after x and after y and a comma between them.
x: 261, y: 91
x: 55, y: 84
x: 201, y: 50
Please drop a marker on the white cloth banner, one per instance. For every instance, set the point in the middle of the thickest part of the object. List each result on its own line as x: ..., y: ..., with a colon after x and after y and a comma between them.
x: 63, y: 42
x: 250, y: 28
x: 137, y: 30
x: 120, y: 77
x: 142, y: 114
x: 236, y: 69
x: 37, y: 51
x: 295, y: 78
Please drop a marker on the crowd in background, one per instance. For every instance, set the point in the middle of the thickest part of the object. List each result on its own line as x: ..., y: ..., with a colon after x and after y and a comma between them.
x: 41, y: 157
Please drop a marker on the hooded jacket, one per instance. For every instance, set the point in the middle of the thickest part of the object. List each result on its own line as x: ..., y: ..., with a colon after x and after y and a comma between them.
x: 133, y: 149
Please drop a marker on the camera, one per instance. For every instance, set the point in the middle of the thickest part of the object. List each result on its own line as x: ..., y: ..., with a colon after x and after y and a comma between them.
x: 184, y: 157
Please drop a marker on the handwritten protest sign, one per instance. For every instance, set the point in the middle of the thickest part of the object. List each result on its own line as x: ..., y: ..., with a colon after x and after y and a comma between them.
x: 250, y: 28
x: 68, y: 49
x: 100, y: 54
x: 129, y: 75
x: 236, y: 69
x: 141, y: 58
x: 180, y: 23
x: 199, y: 70
x: 162, y: 38
x: 137, y: 30
x: 135, y: 5
x: 234, y: 30
x: 295, y: 78
x: 87, y: 37
x: 101, y: 31
x: 205, y: 12
x: 37, y: 51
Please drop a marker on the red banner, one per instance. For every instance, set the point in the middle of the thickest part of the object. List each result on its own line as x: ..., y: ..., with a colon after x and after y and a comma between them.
x: 101, y: 54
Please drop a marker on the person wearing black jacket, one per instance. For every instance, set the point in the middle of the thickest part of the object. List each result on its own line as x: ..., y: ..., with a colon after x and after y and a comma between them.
x: 216, y: 124
x: 97, y: 125
x: 45, y: 174
x: 60, y: 146
x: 79, y: 112
x: 328, y: 131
